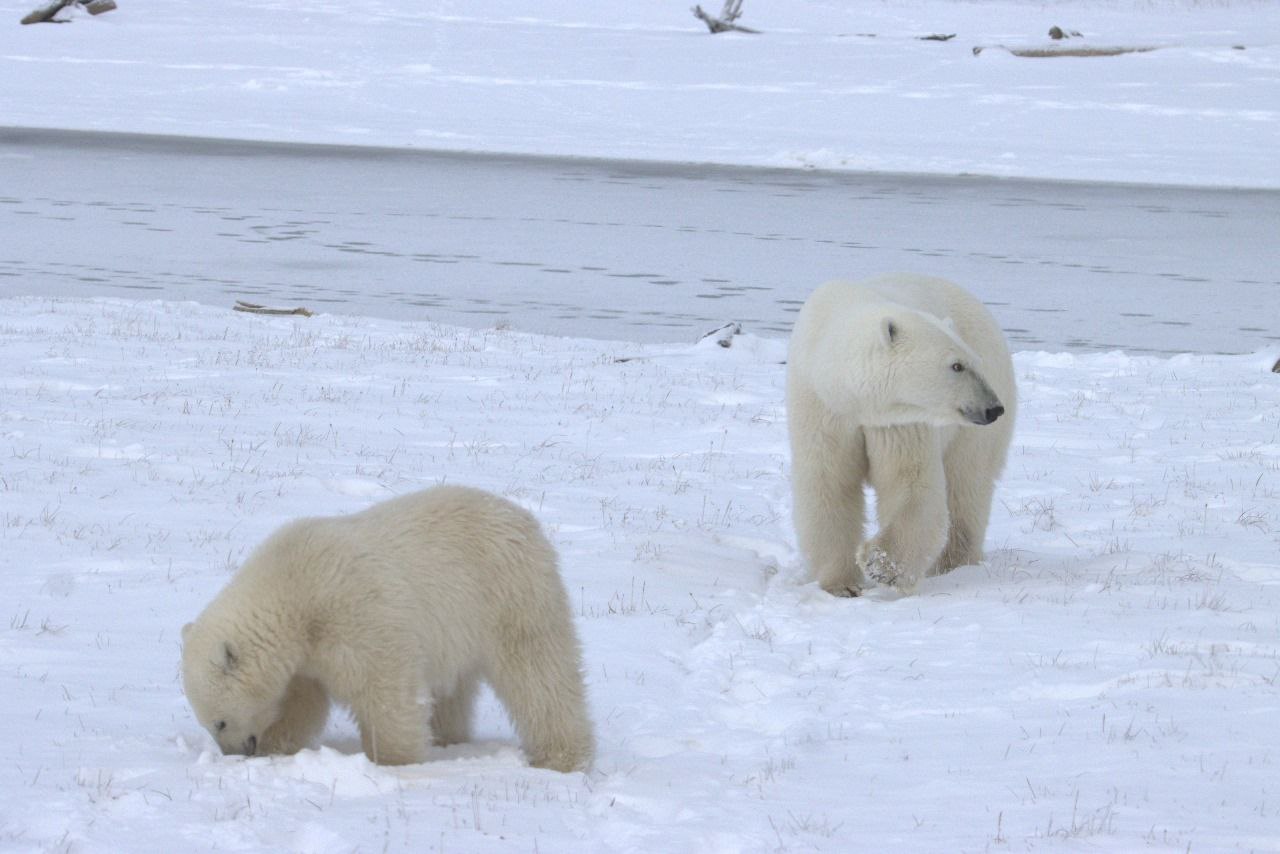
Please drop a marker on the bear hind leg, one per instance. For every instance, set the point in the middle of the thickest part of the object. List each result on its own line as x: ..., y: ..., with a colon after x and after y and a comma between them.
x: 451, y: 713
x: 537, y: 678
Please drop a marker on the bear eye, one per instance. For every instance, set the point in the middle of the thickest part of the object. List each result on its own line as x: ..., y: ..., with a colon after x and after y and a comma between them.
x: 957, y: 367
x: 220, y: 726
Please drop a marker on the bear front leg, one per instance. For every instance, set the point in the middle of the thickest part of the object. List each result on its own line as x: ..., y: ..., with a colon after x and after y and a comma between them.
x: 391, y: 713
x: 302, y: 718
x: 911, y: 504
x: 828, y: 507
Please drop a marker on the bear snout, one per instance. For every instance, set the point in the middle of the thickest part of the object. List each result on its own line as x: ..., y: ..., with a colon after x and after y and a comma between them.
x: 984, y: 416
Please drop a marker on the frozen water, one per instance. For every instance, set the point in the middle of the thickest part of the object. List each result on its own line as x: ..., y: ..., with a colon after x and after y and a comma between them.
x: 625, y: 250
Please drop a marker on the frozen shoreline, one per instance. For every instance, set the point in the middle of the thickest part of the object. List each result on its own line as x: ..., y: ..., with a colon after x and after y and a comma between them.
x: 178, y: 144
x: 825, y: 85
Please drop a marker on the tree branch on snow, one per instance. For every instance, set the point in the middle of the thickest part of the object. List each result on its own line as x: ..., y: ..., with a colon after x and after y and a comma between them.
x: 47, y: 13
x: 731, y: 12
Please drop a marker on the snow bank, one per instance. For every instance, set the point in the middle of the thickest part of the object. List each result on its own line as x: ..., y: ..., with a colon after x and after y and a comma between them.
x: 829, y: 85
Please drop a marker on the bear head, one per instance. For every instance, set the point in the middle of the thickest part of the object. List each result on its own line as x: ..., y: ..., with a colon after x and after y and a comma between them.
x: 235, y: 690
x: 908, y: 367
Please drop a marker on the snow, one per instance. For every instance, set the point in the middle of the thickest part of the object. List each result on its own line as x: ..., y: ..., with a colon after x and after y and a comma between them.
x: 826, y: 84
x: 1106, y: 680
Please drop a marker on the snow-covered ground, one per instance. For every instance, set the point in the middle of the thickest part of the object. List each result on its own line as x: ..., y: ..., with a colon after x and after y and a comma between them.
x: 1108, y: 680
x: 844, y: 85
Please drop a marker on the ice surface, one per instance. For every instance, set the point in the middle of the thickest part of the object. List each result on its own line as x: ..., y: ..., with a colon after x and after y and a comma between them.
x: 653, y: 252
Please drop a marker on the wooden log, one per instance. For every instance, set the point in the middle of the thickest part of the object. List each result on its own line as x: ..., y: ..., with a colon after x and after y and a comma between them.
x: 44, y: 15
x: 254, y: 308
x: 1047, y: 52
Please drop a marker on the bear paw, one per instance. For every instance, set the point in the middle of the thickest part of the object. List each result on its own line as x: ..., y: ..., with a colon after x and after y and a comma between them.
x: 843, y: 591
x: 878, y: 566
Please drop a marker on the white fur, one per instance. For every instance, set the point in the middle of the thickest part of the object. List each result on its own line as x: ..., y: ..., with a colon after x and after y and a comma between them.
x: 396, y: 612
x: 872, y: 399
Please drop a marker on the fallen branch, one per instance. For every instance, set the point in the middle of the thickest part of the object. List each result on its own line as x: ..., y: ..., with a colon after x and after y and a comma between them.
x: 723, y: 335
x: 731, y: 12
x: 45, y: 14
x: 254, y: 308
x: 936, y: 37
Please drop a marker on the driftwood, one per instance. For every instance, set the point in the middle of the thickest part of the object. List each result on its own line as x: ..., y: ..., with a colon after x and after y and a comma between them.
x: 1046, y: 52
x: 1275, y: 369
x: 725, y: 23
x: 254, y: 308
x: 723, y: 335
x: 46, y: 13
x: 936, y: 37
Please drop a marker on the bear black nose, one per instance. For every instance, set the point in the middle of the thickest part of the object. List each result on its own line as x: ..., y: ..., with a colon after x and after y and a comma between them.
x: 993, y: 413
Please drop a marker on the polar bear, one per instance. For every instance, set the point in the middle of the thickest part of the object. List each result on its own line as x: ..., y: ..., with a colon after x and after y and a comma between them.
x: 903, y: 382
x: 396, y: 612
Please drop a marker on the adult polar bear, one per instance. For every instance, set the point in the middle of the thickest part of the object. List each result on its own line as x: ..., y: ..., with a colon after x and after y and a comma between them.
x: 396, y: 612
x: 903, y: 382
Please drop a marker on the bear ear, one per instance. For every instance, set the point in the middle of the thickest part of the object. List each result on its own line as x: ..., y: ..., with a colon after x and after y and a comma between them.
x: 229, y: 659
x: 888, y: 330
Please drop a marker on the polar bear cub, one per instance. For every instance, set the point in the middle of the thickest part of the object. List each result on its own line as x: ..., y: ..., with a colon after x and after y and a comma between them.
x: 396, y: 612
x: 902, y: 382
